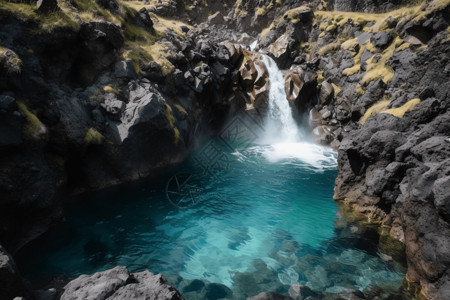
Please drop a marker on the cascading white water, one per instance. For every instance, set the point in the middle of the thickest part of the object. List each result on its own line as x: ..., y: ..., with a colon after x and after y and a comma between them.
x: 280, y: 124
x: 282, y: 139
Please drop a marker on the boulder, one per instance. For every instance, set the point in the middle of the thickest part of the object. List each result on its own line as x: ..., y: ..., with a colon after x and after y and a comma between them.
x: 112, y: 105
x: 281, y: 50
x: 326, y: 92
x: 118, y: 283
x: 300, y: 87
x: 235, y: 51
x: 153, y: 71
x: 382, y: 39
x: 255, y: 79
x: 47, y: 6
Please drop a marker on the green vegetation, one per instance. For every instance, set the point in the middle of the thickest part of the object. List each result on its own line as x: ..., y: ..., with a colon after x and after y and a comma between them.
x: 46, y: 22
x: 11, y: 62
x: 33, y: 126
x: 93, y: 137
x: 171, y: 118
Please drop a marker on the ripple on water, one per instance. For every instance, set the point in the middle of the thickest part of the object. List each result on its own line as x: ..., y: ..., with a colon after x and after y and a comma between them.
x: 265, y: 222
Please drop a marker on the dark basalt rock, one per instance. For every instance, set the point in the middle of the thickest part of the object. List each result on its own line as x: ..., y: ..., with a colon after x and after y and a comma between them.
x: 47, y: 6
x: 381, y: 39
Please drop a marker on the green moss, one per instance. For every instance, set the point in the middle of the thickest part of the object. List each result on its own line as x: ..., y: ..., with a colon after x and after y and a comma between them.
x: 138, y: 56
x: 171, y: 118
x: 328, y: 48
x: 391, y: 246
x: 12, y: 63
x: 33, y: 126
x: 93, y: 137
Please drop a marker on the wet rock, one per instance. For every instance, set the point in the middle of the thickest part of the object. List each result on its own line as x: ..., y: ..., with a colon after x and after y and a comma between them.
x: 124, y: 69
x: 326, y: 92
x: 217, y: 291
x: 323, y: 134
x: 269, y: 296
x: 281, y: 50
x: 300, y: 86
x: 301, y: 291
x: 118, y: 283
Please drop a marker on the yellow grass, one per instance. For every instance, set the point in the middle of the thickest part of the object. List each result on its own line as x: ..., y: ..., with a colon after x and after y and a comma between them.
x: 33, y: 125
x: 374, y: 109
x: 400, y: 111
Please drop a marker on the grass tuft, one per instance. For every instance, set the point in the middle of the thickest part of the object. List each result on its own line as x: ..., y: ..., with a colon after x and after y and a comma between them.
x: 328, y: 48
x: 93, y: 137
x: 171, y: 118
x: 399, y: 112
x: 33, y: 126
x: 374, y: 109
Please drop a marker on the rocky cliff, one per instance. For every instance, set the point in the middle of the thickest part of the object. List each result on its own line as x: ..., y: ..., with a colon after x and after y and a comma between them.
x: 98, y: 93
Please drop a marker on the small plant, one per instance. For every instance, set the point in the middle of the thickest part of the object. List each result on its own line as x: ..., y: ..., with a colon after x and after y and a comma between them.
x: 34, y: 126
x: 328, y: 48
x: 171, y: 118
x: 93, y: 137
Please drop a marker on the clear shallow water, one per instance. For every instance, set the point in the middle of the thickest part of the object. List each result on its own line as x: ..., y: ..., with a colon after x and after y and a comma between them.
x: 268, y: 210
x: 259, y: 218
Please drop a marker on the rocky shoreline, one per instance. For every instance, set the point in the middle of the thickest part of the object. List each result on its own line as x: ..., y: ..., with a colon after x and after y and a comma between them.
x: 87, y: 104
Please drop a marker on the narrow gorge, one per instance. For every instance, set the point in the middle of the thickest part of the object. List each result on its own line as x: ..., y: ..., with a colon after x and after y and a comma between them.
x: 271, y: 149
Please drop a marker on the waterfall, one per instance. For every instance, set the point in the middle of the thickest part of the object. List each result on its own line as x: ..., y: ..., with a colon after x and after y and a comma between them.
x: 280, y: 124
x: 282, y: 139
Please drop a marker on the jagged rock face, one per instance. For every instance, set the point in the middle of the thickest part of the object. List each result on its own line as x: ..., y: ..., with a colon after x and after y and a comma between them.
x: 253, y: 75
x: 118, y: 283
x: 300, y: 87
